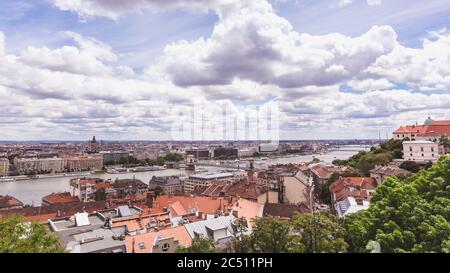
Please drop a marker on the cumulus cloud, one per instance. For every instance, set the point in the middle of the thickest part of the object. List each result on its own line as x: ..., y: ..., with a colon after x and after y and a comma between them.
x: 115, y: 8
x: 266, y: 49
x: 252, y: 56
x: 86, y: 59
x: 418, y: 67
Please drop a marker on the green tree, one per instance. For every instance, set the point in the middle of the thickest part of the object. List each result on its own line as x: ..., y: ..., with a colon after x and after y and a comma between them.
x: 409, y: 215
x: 271, y: 235
x: 410, y: 166
x: 199, y: 245
x: 158, y: 191
x: 18, y: 236
x: 100, y: 195
x: 174, y: 157
x: 319, y: 232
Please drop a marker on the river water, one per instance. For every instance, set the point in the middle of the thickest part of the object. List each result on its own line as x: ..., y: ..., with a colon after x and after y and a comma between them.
x: 31, y: 191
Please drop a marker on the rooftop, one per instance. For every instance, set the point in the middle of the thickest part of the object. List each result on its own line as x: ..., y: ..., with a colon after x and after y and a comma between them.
x: 284, y: 210
x: 7, y: 201
x: 62, y: 197
x: 165, y: 181
x: 210, y: 176
x: 144, y: 243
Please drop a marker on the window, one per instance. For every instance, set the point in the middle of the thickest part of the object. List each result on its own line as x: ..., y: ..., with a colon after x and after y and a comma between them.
x: 411, y: 155
x: 432, y: 155
x: 410, y: 149
x: 165, y: 247
x: 432, y: 149
x: 421, y: 149
x: 423, y: 155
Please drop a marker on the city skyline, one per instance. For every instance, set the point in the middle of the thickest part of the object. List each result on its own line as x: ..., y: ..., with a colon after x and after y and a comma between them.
x: 337, y: 69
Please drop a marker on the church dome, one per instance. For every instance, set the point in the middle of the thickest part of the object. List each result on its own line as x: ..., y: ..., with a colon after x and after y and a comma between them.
x: 429, y: 121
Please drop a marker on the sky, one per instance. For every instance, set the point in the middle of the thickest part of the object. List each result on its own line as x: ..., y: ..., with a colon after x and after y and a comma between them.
x: 126, y: 69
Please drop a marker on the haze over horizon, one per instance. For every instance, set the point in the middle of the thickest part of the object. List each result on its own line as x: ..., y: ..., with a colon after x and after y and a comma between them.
x: 338, y: 69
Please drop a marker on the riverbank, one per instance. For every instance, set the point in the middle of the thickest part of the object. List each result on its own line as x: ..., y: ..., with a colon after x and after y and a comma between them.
x: 31, y: 191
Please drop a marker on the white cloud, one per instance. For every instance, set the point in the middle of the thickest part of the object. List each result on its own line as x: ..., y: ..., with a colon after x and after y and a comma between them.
x: 86, y: 59
x: 374, y: 2
x: 271, y: 52
x: 78, y: 90
x: 114, y: 9
x: 418, y: 67
x: 370, y: 84
x: 343, y: 3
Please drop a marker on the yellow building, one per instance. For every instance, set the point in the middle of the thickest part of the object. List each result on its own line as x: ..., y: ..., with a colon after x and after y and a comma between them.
x: 4, y: 167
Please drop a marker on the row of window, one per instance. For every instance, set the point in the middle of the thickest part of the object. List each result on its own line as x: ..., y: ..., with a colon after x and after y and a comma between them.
x: 421, y: 149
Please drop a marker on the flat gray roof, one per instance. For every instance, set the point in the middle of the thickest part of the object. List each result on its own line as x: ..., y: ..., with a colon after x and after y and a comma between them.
x: 210, y: 176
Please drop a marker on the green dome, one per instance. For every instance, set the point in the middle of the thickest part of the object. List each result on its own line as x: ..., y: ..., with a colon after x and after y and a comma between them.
x: 429, y: 121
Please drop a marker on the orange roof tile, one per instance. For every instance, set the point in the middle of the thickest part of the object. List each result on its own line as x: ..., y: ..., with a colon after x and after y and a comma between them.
x: 206, y: 205
x: 179, y: 233
x: 62, y: 197
x: 247, y: 209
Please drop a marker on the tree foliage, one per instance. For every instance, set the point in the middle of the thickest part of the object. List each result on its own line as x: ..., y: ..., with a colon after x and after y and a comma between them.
x: 305, y: 233
x: 199, y: 245
x: 410, y: 166
x: 365, y: 161
x: 411, y: 215
x: 18, y: 236
x: 319, y: 233
x: 100, y: 195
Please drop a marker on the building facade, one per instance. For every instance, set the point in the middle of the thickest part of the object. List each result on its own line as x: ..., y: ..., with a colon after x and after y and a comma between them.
x: 38, y: 165
x: 226, y: 153
x: 84, y: 163
x: 200, y: 154
x: 422, y: 151
x: 169, y: 185
x: 204, y: 179
x: 4, y: 167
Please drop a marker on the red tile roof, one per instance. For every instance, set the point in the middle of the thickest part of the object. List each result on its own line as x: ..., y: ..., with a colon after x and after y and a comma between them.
x: 435, y: 130
x: 58, y: 198
x: 325, y: 172
x: 409, y: 129
x: 179, y: 234
x: 357, y: 187
x: 206, y: 205
x: 438, y: 128
x: 9, y: 202
x: 44, y: 213
x: 441, y: 122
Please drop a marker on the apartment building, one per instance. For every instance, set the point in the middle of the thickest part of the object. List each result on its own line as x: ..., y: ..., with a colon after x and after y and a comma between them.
x: 204, y: 179
x: 84, y: 163
x: 4, y: 167
x: 422, y: 151
x: 37, y: 165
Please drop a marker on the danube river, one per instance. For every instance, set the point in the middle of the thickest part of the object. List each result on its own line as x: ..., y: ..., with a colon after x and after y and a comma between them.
x: 31, y: 191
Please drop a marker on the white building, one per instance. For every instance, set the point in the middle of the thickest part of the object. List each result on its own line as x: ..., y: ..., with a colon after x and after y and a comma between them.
x: 205, y: 179
x: 422, y: 151
x: 350, y: 205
